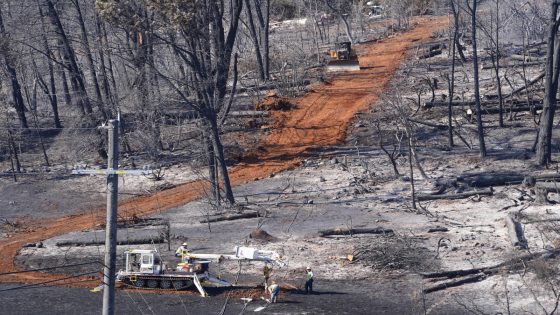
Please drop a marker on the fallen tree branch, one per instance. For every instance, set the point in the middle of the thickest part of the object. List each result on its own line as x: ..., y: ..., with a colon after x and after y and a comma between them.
x: 511, y: 264
x: 520, y: 89
x: 485, y: 192
x: 347, y: 231
x: 483, y: 104
x: 231, y: 217
x: 455, y: 283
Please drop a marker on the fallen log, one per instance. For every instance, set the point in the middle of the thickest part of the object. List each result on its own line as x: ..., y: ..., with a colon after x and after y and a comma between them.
x: 488, y: 65
x: 138, y: 241
x: 472, y: 103
x: 527, y: 58
x: 520, y: 261
x: 522, y: 88
x: 515, y: 109
x: 347, y: 231
x: 455, y: 283
x: 485, y: 192
x: 530, y: 83
x: 231, y: 217
x: 481, y: 180
x: 515, y: 232
x: 491, y: 179
x: 438, y: 229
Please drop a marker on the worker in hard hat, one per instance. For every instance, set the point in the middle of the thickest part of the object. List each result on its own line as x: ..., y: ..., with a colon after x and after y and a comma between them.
x: 182, y: 251
x: 274, y: 290
x: 308, y: 280
x: 266, y: 272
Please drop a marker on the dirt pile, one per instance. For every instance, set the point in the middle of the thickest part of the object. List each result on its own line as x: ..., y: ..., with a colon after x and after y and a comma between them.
x: 274, y: 102
x: 261, y: 235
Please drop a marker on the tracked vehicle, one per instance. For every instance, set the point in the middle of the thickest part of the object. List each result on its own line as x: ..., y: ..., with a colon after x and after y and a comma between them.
x: 343, y: 58
x: 144, y: 268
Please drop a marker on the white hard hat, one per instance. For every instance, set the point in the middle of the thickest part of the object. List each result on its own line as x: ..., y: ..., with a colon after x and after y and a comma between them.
x: 184, y: 244
x: 308, y: 268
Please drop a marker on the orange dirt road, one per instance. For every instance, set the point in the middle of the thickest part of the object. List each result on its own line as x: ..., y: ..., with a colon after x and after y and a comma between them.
x: 320, y: 119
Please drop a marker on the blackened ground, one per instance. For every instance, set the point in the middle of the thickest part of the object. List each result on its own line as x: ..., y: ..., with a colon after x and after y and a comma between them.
x: 356, y: 297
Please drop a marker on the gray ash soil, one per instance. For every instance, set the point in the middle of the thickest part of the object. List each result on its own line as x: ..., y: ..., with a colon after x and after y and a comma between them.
x: 331, y: 297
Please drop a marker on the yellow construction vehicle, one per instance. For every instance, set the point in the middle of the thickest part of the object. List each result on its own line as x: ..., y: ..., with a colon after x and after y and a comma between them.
x: 343, y: 58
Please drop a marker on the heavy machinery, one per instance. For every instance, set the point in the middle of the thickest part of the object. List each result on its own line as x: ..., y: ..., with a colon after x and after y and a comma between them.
x: 343, y: 58
x: 144, y: 268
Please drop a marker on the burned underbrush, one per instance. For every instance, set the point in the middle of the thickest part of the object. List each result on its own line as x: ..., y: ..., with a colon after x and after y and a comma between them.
x: 395, y: 252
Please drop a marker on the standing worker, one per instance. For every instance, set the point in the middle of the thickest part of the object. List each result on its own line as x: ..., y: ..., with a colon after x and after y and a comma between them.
x: 274, y: 289
x: 266, y: 272
x: 182, y: 250
x: 309, y: 281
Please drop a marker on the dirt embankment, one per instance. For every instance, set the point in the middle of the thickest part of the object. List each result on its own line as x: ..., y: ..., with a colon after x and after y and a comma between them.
x: 320, y: 119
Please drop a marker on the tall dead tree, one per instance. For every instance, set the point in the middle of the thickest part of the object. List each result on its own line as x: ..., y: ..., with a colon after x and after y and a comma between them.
x: 258, y: 23
x: 455, y: 12
x: 90, y: 62
x: 49, y: 89
x: 197, y: 32
x: 480, y: 128
x: 544, y: 141
x: 8, y: 61
x: 69, y: 55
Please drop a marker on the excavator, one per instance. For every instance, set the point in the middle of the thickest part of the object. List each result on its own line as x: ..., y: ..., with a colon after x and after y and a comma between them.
x: 343, y: 58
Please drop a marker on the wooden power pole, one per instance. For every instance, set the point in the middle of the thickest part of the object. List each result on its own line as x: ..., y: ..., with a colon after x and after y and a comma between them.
x: 112, y: 172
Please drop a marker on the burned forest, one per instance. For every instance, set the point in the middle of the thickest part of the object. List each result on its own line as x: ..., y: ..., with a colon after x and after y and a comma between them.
x: 279, y: 157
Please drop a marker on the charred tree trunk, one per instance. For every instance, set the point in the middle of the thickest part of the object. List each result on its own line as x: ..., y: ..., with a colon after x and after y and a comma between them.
x: 544, y: 141
x: 219, y: 151
x: 89, y: 58
x: 17, y: 97
x: 255, y: 38
x: 51, y: 89
x: 480, y: 128
x: 76, y: 78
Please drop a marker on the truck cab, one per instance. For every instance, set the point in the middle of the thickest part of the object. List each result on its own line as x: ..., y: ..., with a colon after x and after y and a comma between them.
x: 143, y: 261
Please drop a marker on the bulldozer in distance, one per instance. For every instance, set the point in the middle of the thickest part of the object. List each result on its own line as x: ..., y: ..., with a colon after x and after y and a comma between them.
x: 343, y: 58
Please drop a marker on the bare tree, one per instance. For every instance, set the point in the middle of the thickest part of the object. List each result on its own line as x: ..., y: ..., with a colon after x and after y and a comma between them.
x: 544, y: 142
x: 9, y: 59
x: 480, y: 129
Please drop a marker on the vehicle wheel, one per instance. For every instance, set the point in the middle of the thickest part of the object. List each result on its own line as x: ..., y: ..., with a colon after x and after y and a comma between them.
x: 152, y: 284
x: 178, y: 284
x: 140, y: 283
x: 188, y: 284
x: 165, y: 284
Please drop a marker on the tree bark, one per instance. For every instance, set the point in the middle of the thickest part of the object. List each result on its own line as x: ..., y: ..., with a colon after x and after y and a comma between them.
x: 486, y: 192
x: 480, y: 128
x: 255, y: 38
x: 89, y: 58
x: 76, y: 79
x: 17, y: 97
x: 351, y: 231
x: 544, y: 142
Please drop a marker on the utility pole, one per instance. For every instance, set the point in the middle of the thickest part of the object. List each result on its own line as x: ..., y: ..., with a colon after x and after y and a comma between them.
x: 111, y: 227
x: 112, y: 172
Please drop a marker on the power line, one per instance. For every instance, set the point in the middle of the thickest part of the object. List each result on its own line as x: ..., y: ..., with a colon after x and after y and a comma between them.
x: 50, y: 128
x: 47, y: 282
x: 50, y: 268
